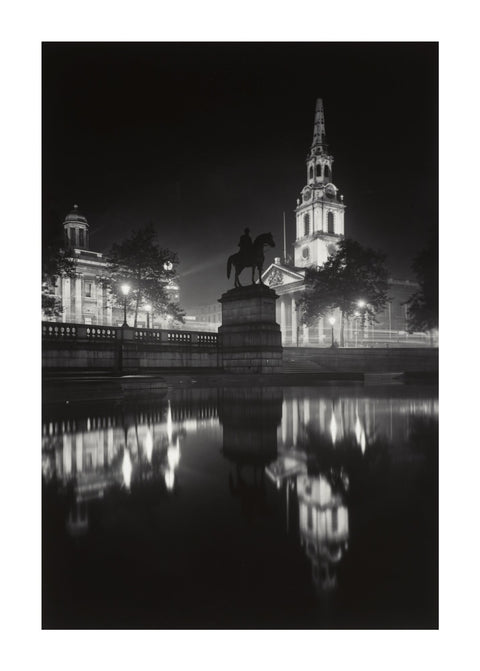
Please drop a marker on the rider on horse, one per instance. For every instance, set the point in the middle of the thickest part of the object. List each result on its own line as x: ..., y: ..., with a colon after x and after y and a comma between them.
x: 246, y: 245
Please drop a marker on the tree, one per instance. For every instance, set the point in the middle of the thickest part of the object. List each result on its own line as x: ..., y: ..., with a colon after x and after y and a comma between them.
x: 422, y: 306
x: 56, y: 262
x: 352, y: 273
x: 148, y: 268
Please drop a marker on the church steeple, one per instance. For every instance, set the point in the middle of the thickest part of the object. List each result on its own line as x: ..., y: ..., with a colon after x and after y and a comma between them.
x: 320, y: 208
x: 319, y: 136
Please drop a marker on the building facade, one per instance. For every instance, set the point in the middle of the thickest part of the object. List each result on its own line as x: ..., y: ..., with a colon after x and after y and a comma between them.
x: 320, y: 225
x: 85, y: 298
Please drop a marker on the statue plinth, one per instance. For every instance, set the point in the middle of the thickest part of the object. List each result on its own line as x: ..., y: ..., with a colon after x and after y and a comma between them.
x: 250, y: 337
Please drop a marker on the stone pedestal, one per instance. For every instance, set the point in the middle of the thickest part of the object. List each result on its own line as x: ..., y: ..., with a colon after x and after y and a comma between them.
x: 249, y: 335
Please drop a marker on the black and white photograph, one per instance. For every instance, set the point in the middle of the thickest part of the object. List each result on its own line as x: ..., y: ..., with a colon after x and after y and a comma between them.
x: 240, y: 336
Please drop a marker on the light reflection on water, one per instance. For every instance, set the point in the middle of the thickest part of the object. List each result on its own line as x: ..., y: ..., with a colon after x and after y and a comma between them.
x: 292, y: 457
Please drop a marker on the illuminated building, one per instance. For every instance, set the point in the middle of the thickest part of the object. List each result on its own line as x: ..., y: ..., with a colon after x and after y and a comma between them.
x: 320, y: 213
x: 85, y: 298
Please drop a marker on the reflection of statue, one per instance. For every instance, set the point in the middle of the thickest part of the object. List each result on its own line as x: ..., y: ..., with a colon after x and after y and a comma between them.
x: 250, y: 418
x: 250, y: 256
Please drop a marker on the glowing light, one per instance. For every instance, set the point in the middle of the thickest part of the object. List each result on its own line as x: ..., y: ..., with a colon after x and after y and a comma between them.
x: 169, y: 424
x: 333, y: 428
x: 125, y: 289
x: 360, y: 435
x: 149, y: 444
x: 148, y: 308
x: 331, y: 320
x: 126, y: 469
x: 361, y: 303
x: 173, y: 455
x: 169, y: 479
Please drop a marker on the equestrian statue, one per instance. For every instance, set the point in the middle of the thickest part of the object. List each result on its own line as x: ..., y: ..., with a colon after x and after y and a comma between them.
x: 250, y: 255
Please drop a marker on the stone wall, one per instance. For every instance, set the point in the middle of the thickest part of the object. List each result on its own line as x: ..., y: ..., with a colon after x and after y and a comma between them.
x: 372, y: 360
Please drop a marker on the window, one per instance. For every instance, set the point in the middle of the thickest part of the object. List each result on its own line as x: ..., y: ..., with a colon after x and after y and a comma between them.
x: 319, y: 170
x: 72, y: 237
x: 310, y: 173
x: 330, y: 222
x: 88, y: 289
x: 81, y: 234
x: 306, y: 224
x: 326, y: 171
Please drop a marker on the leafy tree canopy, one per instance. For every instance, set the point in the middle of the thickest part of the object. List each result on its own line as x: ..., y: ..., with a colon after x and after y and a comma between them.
x: 423, y: 304
x: 351, y: 274
x: 148, y: 268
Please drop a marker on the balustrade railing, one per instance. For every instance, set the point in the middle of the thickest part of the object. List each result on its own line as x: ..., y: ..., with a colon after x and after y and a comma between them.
x: 60, y: 331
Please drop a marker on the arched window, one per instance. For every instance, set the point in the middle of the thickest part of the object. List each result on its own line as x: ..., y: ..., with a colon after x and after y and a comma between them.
x: 81, y: 241
x: 310, y: 173
x: 326, y: 171
x: 72, y: 237
x: 306, y: 224
x: 319, y: 170
x: 330, y: 220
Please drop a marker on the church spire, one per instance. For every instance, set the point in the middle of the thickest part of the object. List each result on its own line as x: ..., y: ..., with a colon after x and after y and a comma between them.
x: 319, y: 137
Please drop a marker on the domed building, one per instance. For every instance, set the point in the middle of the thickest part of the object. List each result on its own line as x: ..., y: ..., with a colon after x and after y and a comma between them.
x: 85, y: 298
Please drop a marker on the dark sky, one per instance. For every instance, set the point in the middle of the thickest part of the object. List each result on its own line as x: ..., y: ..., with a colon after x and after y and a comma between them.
x: 204, y: 139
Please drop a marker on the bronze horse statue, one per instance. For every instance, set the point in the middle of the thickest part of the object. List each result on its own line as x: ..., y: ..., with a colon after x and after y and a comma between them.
x: 253, y: 259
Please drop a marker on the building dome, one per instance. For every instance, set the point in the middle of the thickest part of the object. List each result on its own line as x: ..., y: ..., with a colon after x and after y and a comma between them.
x: 75, y: 217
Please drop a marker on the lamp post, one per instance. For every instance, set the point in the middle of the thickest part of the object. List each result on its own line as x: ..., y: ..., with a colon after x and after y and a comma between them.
x: 125, y: 291
x: 362, y: 305
x: 332, y: 322
x: 148, y: 309
x: 356, y: 315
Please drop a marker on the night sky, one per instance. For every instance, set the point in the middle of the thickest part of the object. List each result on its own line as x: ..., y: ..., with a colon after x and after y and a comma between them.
x: 203, y: 139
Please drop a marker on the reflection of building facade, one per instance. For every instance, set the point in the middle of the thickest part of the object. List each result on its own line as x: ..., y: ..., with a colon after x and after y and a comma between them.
x: 96, y: 453
x: 85, y: 299
x: 323, y: 520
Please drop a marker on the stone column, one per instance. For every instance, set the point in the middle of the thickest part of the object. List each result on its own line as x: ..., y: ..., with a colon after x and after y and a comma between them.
x: 294, y: 323
x: 99, y: 296
x: 78, y: 300
x: 66, y: 298
x: 283, y: 321
x: 306, y: 333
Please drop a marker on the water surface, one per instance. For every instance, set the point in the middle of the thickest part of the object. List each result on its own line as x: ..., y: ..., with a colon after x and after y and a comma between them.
x: 243, y: 508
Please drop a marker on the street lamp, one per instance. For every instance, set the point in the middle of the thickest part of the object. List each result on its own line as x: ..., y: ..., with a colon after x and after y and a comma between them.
x: 125, y: 291
x: 356, y: 314
x: 332, y: 322
x: 148, y: 309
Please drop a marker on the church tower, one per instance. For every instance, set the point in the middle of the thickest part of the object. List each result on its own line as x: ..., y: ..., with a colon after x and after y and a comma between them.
x: 320, y: 208
x: 75, y: 229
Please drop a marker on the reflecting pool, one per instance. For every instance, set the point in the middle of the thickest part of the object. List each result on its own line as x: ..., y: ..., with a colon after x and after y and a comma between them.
x: 237, y: 507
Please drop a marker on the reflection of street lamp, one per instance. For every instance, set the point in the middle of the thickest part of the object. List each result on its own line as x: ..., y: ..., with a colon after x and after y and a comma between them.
x: 148, y: 309
x: 125, y: 291
x: 332, y: 322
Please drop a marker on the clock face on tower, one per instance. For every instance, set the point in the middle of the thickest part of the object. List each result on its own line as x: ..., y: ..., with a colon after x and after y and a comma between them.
x: 330, y: 190
x: 307, y: 195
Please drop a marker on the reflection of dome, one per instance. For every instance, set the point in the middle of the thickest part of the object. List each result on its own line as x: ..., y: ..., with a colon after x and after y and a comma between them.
x: 75, y: 217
